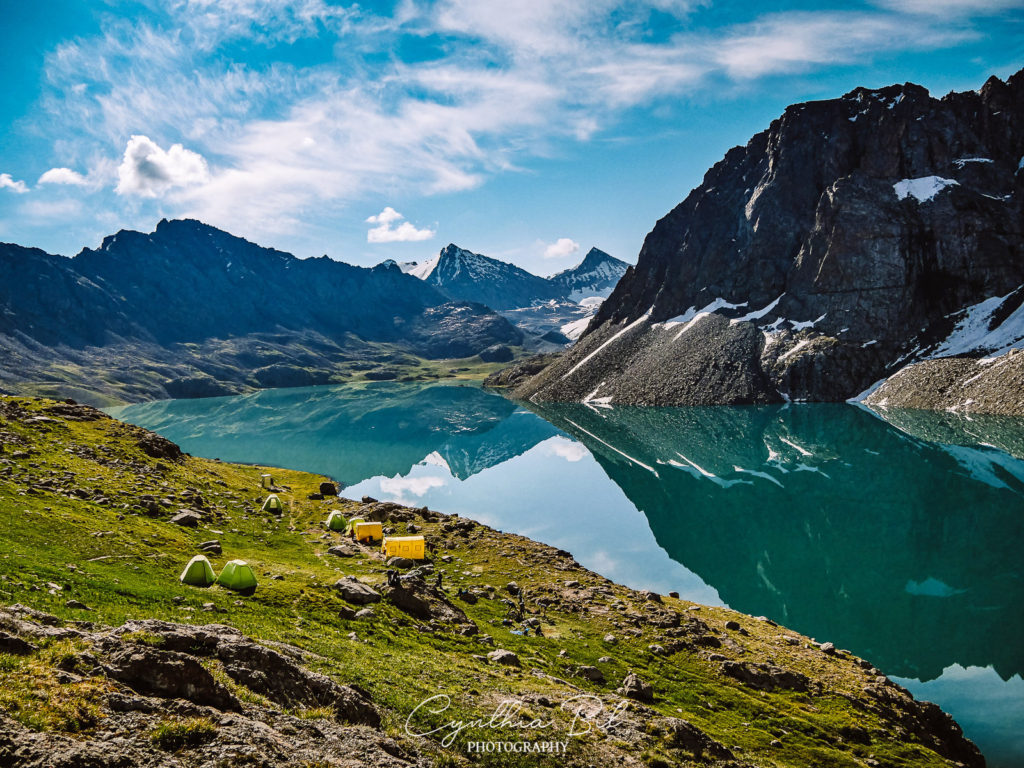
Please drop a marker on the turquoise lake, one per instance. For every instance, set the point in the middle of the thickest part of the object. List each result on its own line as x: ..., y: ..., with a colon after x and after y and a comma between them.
x: 897, y: 536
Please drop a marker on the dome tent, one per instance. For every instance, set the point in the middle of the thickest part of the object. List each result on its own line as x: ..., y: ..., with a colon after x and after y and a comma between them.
x: 336, y: 521
x: 238, y: 575
x: 198, y: 572
x: 273, y: 504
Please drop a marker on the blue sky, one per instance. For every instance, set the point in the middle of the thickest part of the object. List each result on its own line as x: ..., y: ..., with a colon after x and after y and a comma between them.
x: 528, y: 130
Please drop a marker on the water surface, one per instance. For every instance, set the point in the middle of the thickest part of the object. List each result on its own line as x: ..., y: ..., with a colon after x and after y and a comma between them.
x: 898, y: 538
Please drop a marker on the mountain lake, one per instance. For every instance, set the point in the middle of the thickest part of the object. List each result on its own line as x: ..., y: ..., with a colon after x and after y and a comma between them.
x: 896, y: 536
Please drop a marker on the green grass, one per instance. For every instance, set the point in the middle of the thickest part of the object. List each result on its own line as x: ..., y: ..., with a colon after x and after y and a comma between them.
x: 131, y: 572
x: 180, y: 733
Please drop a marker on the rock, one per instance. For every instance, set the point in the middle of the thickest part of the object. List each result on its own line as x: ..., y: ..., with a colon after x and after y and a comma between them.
x: 674, y: 595
x: 501, y: 656
x: 765, y: 676
x: 401, y: 562
x: 187, y: 518
x: 635, y: 688
x: 611, y: 639
x: 366, y: 613
x: 168, y: 674
x: 355, y: 591
x: 657, y: 650
x: 159, y: 447
x: 412, y: 528
x: 315, y: 497
x: 424, y: 601
x: 212, y: 547
x: 732, y: 625
x: 75, y: 605
x: 15, y: 645
x: 593, y: 674
x: 328, y: 489
x: 341, y: 550
x: 680, y: 734
x: 828, y: 648
x: 273, y: 675
x: 654, y: 597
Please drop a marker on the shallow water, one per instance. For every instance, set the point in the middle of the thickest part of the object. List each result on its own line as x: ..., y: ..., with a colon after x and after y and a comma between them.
x: 899, y: 539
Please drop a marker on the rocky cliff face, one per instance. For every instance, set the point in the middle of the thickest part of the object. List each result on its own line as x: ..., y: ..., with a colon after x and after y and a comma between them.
x: 847, y: 240
x: 142, y: 301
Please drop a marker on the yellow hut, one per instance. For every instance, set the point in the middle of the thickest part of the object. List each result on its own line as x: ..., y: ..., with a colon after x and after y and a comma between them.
x: 412, y: 547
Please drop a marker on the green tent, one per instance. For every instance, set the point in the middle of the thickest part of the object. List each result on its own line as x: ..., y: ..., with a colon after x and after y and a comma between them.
x: 352, y: 524
x: 273, y: 504
x: 237, y: 575
x: 198, y: 572
x: 336, y: 521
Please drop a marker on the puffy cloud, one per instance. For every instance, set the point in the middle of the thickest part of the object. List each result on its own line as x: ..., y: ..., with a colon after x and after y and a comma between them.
x: 561, y: 248
x: 403, y: 233
x: 63, y: 176
x: 387, y: 216
x: 149, y: 171
x: 6, y: 182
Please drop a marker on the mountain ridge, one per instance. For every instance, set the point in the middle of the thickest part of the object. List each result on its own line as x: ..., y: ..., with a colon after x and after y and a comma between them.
x: 142, y: 307
x: 840, y: 244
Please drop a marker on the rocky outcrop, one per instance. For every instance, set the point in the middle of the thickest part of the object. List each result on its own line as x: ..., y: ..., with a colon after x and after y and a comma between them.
x: 852, y: 237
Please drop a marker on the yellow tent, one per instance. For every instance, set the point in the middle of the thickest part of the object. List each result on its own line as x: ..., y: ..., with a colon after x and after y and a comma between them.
x: 369, y: 532
x: 411, y: 547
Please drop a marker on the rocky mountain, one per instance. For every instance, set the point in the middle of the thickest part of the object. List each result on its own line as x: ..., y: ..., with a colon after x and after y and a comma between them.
x: 238, y: 314
x: 852, y: 238
x: 553, y: 309
x: 596, y: 275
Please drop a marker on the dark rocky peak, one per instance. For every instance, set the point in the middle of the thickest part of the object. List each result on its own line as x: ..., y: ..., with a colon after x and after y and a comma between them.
x: 846, y: 236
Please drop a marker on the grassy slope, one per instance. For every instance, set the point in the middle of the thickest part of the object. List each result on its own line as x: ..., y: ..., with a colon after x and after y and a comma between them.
x: 124, y: 565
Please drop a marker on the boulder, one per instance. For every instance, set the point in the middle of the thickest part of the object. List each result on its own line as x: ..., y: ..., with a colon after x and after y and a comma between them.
x: 501, y: 656
x: 169, y: 675
x: 680, y: 734
x: 328, y: 489
x: 341, y: 550
x: 635, y: 688
x: 355, y: 591
x: 424, y: 601
x: 593, y: 674
x: 187, y: 518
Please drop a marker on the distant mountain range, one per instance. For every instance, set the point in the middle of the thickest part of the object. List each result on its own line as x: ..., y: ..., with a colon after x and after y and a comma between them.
x: 555, y: 309
x: 190, y: 310
x: 877, y: 236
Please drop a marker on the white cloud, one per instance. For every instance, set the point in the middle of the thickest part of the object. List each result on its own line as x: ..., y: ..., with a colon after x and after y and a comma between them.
x: 951, y: 7
x: 387, y: 216
x: 6, y: 182
x: 47, y: 211
x: 417, y: 486
x: 63, y: 176
x: 569, y: 450
x: 403, y: 233
x: 561, y: 248
x: 149, y: 171
x: 294, y: 145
